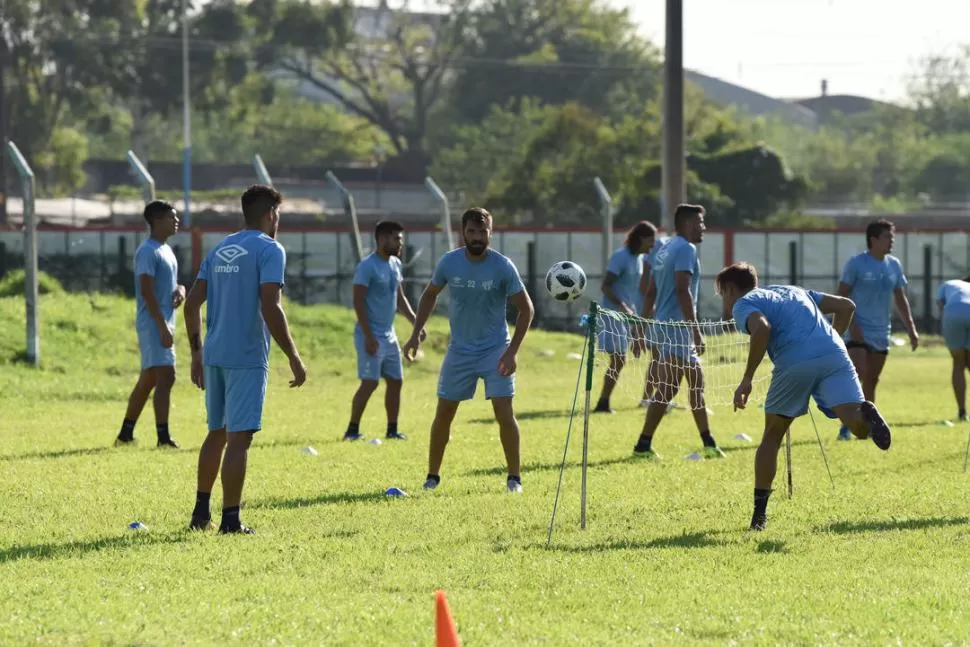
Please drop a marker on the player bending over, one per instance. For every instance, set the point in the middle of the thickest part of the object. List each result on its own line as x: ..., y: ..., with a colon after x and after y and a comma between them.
x: 675, y: 279
x: 480, y: 281
x: 157, y: 296
x: 620, y: 292
x: 378, y: 295
x: 953, y: 298
x: 872, y: 280
x: 809, y: 357
x: 242, y: 281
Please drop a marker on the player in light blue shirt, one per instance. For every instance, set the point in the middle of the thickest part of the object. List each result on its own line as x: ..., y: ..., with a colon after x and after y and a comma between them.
x: 809, y: 358
x: 241, y: 279
x: 621, y: 292
x: 480, y: 281
x: 873, y: 280
x: 157, y: 296
x: 674, y: 281
x: 648, y: 298
x: 953, y: 297
x: 378, y: 296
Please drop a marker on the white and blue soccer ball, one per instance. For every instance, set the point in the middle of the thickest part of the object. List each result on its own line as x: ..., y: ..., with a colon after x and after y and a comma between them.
x: 565, y: 281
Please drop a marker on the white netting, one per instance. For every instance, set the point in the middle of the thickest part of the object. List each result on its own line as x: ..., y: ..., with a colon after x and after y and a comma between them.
x: 667, y: 353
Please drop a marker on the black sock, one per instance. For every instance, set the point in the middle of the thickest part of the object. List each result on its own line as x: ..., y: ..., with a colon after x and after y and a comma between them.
x: 761, y: 501
x: 643, y: 444
x: 353, y: 428
x: 604, y: 403
x: 391, y: 428
x: 202, y: 505
x: 962, y: 413
x: 162, y: 431
x: 708, y: 439
x: 230, y: 518
x: 127, y: 429
x: 435, y: 477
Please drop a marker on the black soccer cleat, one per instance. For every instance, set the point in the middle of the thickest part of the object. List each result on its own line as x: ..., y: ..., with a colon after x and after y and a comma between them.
x: 878, y: 427
x: 239, y: 530
x: 396, y: 435
x: 759, y: 522
x: 200, y: 523
x: 125, y: 442
x: 353, y: 436
x: 167, y: 443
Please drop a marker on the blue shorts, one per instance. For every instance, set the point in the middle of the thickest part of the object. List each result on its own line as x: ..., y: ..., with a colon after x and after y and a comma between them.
x: 152, y: 352
x: 675, y: 343
x: 386, y: 363
x: 613, y: 336
x: 831, y: 379
x: 956, y: 329
x: 234, y: 397
x: 460, y: 373
x: 875, y: 341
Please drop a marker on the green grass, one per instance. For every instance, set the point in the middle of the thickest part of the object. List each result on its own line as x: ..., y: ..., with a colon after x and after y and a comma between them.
x: 665, y: 558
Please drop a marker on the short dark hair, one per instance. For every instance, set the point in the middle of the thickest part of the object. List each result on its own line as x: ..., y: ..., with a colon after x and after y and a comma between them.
x: 744, y: 276
x: 685, y: 212
x: 157, y: 209
x: 966, y: 279
x: 476, y: 214
x: 875, y: 228
x: 639, y: 231
x: 387, y: 228
x: 257, y: 200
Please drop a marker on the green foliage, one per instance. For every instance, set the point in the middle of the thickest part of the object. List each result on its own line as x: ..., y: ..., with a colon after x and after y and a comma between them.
x: 60, y: 163
x: 12, y: 284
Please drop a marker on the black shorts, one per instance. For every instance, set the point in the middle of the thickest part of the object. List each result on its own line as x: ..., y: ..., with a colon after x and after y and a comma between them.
x: 869, y: 349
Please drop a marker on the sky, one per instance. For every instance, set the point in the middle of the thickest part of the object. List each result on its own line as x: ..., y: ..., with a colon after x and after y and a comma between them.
x: 784, y: 48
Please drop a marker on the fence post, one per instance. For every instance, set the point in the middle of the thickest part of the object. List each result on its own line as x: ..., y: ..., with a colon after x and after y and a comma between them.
x: 442, y: 199
x: 928, y: 319
x: 531, y: 278
x: 606, y: 207
x: 350, y: 209
x: 144, y: 177
x: 792, y: 263
x: 30, y: 252
x: 261, y: 173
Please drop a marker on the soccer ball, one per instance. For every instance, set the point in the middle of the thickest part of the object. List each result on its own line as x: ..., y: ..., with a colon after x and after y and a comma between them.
x: 566, y: 281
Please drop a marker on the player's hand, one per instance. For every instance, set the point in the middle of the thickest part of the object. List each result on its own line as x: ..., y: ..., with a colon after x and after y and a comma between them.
x: 166, y: 336
x: 914, y: 340
x: 178, y: 297
x: 371, y: 345
x: 299, y: 371
x: 741, y: 394
x: 410, y: 349
x: 699, y: 344
x: 198, y: 375
x: 506, y: 363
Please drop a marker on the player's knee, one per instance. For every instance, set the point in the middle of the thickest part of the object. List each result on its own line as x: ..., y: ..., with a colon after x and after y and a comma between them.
x: 393, y: 384
x: 239, y: 441
x: 367, y: 386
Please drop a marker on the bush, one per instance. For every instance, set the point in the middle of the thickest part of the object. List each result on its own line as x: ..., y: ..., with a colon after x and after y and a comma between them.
x: 12, y: 284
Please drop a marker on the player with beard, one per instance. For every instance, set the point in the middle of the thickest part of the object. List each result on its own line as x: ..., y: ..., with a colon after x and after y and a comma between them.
x: 480, y: 282
x: 378, y: 296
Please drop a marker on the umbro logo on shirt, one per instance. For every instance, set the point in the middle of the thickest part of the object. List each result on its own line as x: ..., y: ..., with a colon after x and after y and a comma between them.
x: 229, y: 255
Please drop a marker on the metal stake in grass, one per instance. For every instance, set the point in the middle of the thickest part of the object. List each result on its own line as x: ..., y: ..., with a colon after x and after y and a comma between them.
x: 966, y: 455
x: 824, y: 457
x: 788, y: 459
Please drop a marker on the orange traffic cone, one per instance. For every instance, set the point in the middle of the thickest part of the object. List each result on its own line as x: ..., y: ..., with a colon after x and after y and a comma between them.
x: 446, y: 634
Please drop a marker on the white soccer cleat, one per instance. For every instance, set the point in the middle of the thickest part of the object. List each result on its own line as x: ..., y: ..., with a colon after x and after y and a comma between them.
x: 514, y: 487
x: 431, y: 484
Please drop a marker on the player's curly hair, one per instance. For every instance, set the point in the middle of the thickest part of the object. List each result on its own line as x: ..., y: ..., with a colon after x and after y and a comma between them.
x: 744, y: 276
x: 639, y: 231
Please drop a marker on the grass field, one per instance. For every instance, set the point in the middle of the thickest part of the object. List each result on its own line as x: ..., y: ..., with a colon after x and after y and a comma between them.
x: 666, y: 557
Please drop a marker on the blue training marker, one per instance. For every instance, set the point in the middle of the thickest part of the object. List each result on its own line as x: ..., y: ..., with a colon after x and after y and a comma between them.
x: 395, y: 492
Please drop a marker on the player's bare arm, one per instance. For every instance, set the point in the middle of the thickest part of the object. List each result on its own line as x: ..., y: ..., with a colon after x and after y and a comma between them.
x: 178, y: 297
x: 649, y: 298
x: 404, y: 307
x: 686, y: 303
x: 360, y: 307
x: 608, y: 290
x: 522, y: 303
x: 147, y: 285
x: 855, y: 332
x: 902, y: 305
x: 425, y: 307
x: 842, y: 308
x: 271, y: 305
x: 193, y: 328
x: 760, y: 331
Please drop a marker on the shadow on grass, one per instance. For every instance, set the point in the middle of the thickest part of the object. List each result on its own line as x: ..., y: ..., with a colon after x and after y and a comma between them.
x: 60, y: 453
x: 687, y: 540
x: 81, y: 548
x: 530, y: 415
x: 771, y: 547
x: 846, y: 528
x: 549, y: 467
x: 324, y: 499
x: 753, y: 446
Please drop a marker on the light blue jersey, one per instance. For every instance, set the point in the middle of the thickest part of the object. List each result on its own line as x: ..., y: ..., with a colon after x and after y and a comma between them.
x: 628, y: 268
x: 955, y: 296
x: 809, y: 356
x: 236, y: 335
x: 156, y: 260
x: 478, y: 293
x: 873, y: 282
x: 678, y: 255
x: 799, y: 330
x: 382, y: 278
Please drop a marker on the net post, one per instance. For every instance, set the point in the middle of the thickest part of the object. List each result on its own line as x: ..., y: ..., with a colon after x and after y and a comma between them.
x: 590, y: 359
x: 144, y: 177
x: 442, y: 200
x: 350, y: 209
x: 30, y: 252
x: 606, y: 207
x: 261, y: 173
